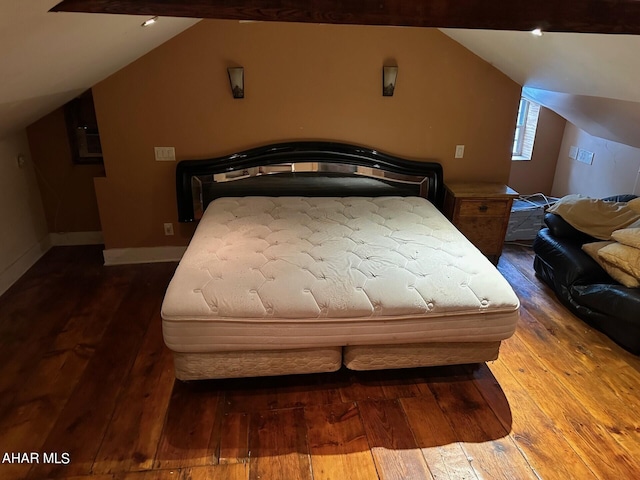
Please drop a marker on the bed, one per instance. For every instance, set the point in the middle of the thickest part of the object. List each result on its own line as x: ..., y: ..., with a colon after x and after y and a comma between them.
x: 313, y: 255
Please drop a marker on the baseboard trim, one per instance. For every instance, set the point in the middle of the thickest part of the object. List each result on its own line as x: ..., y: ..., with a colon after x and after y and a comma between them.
x: 126, y: 256
x: 76, y: 238
x: 113, y: 256
x: 18, y: 268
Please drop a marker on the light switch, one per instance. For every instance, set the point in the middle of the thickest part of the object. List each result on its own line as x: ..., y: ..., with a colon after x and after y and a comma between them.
x: 573, y: 152
x: 459, y: 151
x: 165, y: 154
x: 585, y: 156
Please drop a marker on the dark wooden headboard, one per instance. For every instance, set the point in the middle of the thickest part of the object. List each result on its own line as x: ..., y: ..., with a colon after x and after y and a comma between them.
x: 309, y: 168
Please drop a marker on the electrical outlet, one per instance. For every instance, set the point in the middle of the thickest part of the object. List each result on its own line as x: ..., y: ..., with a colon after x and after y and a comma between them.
x: 168, y: 229
x: 459, y: 151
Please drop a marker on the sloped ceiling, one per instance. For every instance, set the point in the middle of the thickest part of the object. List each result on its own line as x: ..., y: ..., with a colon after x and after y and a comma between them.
x: 592, y: 80
x: 49, y: 58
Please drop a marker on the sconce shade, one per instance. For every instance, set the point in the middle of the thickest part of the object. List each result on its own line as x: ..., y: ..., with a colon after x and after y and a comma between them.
x: 236, y: 79
x: 389, y: 76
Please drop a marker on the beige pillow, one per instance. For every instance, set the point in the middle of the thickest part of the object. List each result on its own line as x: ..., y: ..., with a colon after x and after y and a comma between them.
x: 622, y: 256
x: 628, y: 236
x: 616, y: 273
x: 594, y: 216
x: 634, y: 204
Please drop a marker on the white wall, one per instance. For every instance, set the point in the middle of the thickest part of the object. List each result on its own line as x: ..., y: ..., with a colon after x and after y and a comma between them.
x: 23, y: 229
x: 615, y: 168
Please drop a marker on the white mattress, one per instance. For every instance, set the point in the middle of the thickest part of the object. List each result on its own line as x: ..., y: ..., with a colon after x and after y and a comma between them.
x: 297, y: 272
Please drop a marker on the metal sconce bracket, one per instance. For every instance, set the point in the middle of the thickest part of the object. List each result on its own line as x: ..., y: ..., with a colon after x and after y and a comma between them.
x: 389, y: 77
x: 236, y: 79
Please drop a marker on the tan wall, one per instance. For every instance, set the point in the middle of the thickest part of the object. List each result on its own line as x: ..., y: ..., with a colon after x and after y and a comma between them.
x: 536, y: 175
x: 318, y: 82
x: 24, y: 230
x: 615, y: 168
x: 67, y: 189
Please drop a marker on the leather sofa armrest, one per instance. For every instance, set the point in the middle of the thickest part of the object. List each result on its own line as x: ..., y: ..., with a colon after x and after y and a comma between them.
x: 559, y: 228
x: 569, y: 263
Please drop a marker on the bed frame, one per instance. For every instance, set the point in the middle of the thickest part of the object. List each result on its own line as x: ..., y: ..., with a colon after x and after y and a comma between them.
x: 313, y: 168
x: 304, y: 169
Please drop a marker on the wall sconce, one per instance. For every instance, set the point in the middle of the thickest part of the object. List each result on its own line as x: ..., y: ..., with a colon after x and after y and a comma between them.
x: 389, y: 76
x: 236, y: 79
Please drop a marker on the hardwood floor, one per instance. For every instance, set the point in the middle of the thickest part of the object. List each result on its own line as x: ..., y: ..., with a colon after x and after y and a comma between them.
x: 86, y: 381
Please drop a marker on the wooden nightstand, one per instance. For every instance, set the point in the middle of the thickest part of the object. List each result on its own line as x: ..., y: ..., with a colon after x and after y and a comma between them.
x: 481, y: 212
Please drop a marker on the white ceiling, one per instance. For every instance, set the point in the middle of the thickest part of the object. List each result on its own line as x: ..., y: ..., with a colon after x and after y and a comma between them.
x: 49, y: 58
x: 591, y: 80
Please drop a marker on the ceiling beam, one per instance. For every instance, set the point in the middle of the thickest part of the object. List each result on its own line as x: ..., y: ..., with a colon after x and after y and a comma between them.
x: 584, y: 16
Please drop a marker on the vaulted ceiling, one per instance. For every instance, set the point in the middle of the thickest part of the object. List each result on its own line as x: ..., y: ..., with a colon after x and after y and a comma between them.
x: 590, y: 78
x: 49, y: 58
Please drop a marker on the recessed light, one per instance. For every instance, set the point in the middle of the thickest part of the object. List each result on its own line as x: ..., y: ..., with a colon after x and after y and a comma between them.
x: 151, y: 21
x: 537, y: 32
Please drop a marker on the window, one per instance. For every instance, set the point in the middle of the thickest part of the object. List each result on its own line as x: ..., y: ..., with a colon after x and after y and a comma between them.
x: 82, y: 128
x: 525, y: 133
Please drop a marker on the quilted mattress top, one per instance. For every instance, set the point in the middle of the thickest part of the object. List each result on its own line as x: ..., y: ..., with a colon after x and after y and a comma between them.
x: 313, y: 259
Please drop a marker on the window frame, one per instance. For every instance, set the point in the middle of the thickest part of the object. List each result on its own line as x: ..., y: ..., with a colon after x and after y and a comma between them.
x: 526, y: 126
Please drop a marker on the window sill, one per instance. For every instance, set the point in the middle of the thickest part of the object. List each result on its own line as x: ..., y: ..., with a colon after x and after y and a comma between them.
x: 519, y: 158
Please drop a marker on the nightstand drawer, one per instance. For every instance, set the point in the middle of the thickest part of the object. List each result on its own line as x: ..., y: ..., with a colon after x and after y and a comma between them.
x: 493, y: 208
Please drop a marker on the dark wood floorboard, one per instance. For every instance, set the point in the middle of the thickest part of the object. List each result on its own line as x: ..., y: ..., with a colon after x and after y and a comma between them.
x: 86, y: 377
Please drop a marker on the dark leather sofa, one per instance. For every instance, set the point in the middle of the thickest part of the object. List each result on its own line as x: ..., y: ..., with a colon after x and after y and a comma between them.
x: 583, y: 286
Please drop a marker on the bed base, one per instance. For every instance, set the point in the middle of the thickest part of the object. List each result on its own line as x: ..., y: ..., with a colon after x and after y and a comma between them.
x: 257, y: 363
x: 379, y: 357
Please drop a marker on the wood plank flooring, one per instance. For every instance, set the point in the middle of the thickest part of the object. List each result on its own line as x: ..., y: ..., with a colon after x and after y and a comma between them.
x: 86, y: 381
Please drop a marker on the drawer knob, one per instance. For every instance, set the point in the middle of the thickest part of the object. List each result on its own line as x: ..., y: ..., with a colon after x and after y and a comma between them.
x: 483, y: 208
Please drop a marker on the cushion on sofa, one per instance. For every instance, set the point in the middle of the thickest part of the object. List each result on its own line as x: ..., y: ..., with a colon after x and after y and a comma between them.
x: 620, y: 275
x: 622, y: 256
x: 634, y: 204
x: 627, y: 236
x: 593, y: 216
